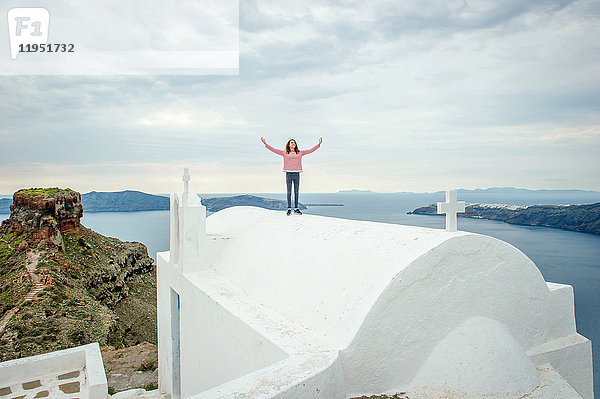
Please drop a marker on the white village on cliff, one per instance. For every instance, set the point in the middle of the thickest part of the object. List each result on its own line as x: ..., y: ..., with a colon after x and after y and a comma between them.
x: 255, y: 304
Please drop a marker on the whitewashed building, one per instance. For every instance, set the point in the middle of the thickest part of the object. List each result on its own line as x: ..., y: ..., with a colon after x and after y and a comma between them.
x: 255, y: 304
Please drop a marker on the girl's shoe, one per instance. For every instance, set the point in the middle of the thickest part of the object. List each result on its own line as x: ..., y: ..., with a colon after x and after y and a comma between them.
x: 297, y: 211
x: 289, y: 212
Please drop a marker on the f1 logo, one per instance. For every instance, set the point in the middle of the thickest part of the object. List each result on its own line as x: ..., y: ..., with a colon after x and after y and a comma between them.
x: 27, y: 26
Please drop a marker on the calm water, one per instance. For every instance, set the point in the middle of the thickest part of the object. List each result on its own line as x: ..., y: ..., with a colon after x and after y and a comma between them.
x: 562, y: 256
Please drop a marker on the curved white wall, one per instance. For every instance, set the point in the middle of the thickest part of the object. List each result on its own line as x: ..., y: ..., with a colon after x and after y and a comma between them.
x: 462, y: 278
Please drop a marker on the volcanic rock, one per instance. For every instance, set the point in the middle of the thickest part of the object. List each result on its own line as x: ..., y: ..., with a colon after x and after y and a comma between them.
x: 44, y: 213
x: 23, y: 246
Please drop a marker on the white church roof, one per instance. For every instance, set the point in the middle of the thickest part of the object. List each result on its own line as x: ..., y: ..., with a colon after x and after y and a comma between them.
x: 324, y: 273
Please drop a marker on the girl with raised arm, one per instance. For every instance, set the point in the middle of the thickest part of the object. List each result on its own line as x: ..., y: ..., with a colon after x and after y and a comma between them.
x: 292, y: 166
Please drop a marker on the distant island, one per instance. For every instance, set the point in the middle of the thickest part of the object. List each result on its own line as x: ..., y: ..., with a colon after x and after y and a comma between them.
x: 5, y: 205
x: 356, y: 192
x: 136, y: 201
x: 503, y: 195
x: 522, y: 196
x: 123, y: 201
x: 583, y: 218
x: 218, y: 203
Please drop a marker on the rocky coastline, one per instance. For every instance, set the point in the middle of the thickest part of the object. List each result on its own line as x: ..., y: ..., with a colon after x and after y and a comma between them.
x: 582, y: 218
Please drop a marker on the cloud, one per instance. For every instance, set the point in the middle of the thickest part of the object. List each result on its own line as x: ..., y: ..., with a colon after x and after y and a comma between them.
x: 200, y: 119
x: 166, y: 118
x: 458, y: 16
x: 408, y: 86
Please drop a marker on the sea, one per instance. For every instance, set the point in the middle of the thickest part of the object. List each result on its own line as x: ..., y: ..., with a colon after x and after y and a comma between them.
x: 565, y: 257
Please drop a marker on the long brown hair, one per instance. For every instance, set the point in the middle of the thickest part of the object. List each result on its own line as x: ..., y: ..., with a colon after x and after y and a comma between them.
x: 287, y: 146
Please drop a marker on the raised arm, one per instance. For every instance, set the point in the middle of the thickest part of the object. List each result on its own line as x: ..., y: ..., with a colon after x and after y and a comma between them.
x: 275, y: 150
x: 305, y: 152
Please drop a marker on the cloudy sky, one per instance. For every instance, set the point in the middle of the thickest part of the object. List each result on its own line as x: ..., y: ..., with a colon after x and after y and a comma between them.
x: 408, y: 96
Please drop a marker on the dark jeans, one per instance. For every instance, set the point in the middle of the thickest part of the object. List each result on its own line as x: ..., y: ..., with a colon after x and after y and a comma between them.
x: 289, y: 178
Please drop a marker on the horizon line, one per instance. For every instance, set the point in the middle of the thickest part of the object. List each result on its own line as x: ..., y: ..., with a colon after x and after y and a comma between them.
x: 344, y: 191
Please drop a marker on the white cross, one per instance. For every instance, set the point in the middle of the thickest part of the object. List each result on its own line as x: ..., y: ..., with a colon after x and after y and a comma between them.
x: 186, y: 179
x: 451, y: 207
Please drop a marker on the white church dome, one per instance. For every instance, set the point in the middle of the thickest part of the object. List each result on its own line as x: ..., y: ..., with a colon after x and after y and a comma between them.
x: 480, y: 358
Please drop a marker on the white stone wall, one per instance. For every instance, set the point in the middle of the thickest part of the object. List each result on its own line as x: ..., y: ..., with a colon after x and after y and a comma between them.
x: 71, y: 373
x: 216, y: 346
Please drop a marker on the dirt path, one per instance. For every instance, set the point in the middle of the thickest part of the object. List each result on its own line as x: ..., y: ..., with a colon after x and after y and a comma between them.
x: 7, y: 316
x: 31, y: 262
x: 31, y: 266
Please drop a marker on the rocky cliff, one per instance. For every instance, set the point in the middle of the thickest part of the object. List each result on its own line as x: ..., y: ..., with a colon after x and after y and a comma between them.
x: 44, y: 213
x: 63, y: 285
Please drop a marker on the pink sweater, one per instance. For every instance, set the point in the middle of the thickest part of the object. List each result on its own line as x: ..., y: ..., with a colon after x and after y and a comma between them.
x: 292, y: 162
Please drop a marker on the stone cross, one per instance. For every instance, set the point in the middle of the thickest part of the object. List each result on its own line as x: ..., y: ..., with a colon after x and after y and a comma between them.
x: 188, y: 228
x: 186, y: 179
x: 451, y: 207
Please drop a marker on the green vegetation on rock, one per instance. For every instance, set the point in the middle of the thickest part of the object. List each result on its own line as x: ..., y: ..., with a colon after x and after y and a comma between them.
x: 46, y: 193
x: 98, y: 289
x: 148, y: 365
x: 150, y: 387
x: 14, y: 281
